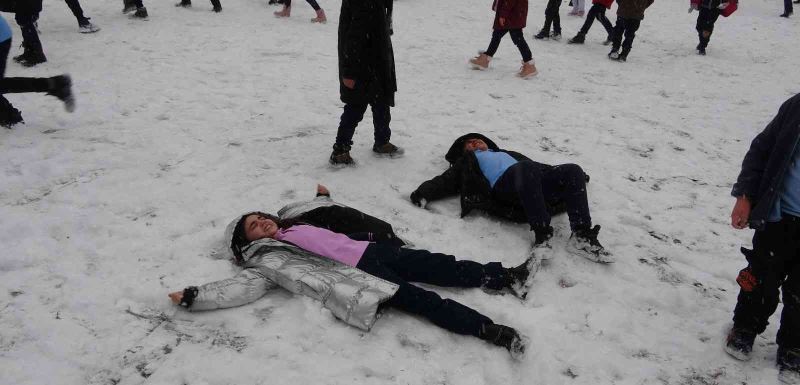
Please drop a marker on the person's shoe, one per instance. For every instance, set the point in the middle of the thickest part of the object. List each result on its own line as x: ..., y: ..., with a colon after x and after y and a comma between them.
x: 504, y: 336
x: 141, y: 13
x: 480, y: 62
x: 528, y: 70
x: 542, y: 35
x: 614, y: 54
x: 341, y: 155
x: 584, y: 242
x: 128, y: 6
x: 321, y: 18
x: 578, y: 39
x: 555, y: 36
x: 11, y: 118
x: 623, y: 56
x: 789, y: 365
x: 22, y: 57
x: 786, y: 14
x: 217, y: 8
x: 387, y: 150
x: 86, y: 26
x: 32, y: 59
x: 61, y: 87
x: 701, y: 51
x: 739, y: 343
x: 285, y: 12
x: 184, y: 4
x: 573, y: 12
x: 581, y: 13
x: 520, y: 278
x: 608, y: 41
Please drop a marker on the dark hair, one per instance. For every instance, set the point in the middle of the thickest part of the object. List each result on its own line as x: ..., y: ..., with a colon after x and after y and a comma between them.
x: 239, y: 239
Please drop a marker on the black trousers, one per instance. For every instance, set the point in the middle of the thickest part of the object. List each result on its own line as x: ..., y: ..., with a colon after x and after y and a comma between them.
x: 775, y: 264
x: 402, y: 266
x: 30, y: 36
x: 76, y: 9
x: 312, y: 3
x: 516, y: 37
x: 15, y: 85
x: 705, y: 24
x: 551, y: 16
x: 352, y: 115
x: 598, y: 12
x: 524, y: 183
x: 787, y: 6
x: 625, y: 27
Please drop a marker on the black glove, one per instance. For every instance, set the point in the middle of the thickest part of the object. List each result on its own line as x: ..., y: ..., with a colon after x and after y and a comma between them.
x: 189, y: 295
x: 416, y: 199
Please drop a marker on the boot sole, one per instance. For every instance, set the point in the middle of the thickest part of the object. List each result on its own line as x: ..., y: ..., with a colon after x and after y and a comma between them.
x: 602, y: 259
x: 739, y: 355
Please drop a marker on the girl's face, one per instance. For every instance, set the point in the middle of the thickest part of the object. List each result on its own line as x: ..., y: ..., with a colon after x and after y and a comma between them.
x: 475, y: 145
x: 257, y: 227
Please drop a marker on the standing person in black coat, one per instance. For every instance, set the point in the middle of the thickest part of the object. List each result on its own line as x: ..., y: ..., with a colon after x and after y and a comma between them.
x: 767, y: 195
x: 26, y: 12
x: 366, y: 75
x: 708, y: 13
x: 630, y: 14
x: 510, y: 185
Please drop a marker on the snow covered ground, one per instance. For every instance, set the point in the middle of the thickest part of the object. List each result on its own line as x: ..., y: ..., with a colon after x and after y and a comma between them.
x: 191, y: 117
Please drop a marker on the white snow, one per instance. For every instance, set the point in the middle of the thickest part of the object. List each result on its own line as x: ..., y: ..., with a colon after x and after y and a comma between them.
x: 190, y: 118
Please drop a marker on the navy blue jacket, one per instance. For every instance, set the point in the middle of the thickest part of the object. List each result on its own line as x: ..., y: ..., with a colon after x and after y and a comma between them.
x: 765, y: 165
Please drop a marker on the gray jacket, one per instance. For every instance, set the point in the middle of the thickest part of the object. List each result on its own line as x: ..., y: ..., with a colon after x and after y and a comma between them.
x: 350, y: 294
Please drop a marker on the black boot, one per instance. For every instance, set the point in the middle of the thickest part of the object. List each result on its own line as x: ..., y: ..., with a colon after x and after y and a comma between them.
x: 341, y: 155
x: 184, y: 3
x: 141, y: 13
x: 739, y: 343
x: 217, y: 5
x: 543, y: 34
x: 578, y: 39
x: 61, y: 87
x: 623, y: 56
x: 614, y: 54
x: 504, y: 336
x: 789, y: 365
x: 31, y: 58
x: 9, y: 116
x: 128, y: 6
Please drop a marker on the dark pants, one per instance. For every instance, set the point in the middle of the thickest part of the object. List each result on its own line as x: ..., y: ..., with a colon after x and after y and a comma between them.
x: 598, y: 12
x: 524, y: 183
x: 313, y: 3
x: 775, y: 264
x: 30, y: 36
x: 352, y: 115
x: 705, y: 24
x: 787, y: 6
x: 402, y: 266
x: 516, y: 37
x: 15, y: 85
x: 551, y: 16
x: 628, y: 28
x: 76, y: 9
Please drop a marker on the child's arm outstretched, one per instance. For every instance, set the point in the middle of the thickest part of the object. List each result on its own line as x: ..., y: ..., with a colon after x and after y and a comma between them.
x: 247, y: 286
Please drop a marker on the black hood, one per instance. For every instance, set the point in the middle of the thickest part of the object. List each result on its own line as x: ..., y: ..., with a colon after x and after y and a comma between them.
x: 456, y: 151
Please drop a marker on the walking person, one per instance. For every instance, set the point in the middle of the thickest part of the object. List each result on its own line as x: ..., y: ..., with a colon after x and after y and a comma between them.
x: 578, y: 8
x: 551, y: 17
x: 598, y: 11
x: 217, y: 6
x: 84, y: 25
x: 26, y: 13
x: 510, y: 17
x: 58, y: 86
x: 767, y: 195
x: 630, y: 14
x: 366, y: 75
x: 708, y: 12
x: 287, y: 10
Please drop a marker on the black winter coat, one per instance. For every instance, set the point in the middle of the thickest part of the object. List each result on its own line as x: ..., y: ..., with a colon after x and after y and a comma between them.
x: 365, y: 52
x: 767, y: 161
x: 464, y: 177
x: 21, y: 6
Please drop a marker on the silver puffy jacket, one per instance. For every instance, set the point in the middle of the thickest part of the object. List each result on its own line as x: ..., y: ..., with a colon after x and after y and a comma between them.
x: 293, y: 210
x: 350, y: 294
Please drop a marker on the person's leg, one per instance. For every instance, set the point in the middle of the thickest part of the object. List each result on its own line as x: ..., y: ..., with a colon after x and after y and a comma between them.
x: 593, y: 12
x: 616, y: 36
x: 519, y: 40
x: 313, y: 4
x: 76, y: 9
x: 9, y: 115
x: 497, y: 36
x: 788, y: 8
x: 705, y: 25
x: 217, y: 5
x: 381, y: 118
x: 789, y: 333
x: 631, y: 26
x: 567, y: 183
x: 351, y: 116
x: 522, y: 183
x: 601, y: 16
x: 34, y: 54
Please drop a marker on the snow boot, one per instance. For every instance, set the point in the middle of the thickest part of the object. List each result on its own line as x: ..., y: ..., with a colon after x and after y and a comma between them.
x: 520, y: 278
x: 86, y: 26
x: 141, y: 13
x: 504, y: 336
x: 30, y: 58
x: 285, y: 12
x: 555, y: 36
x: 10, y: 116
x: 61, y: 87
x: 583, y: 241
x: 480, y: 62
x: 542, y: 35
x: 739, y: 343
x: 789, y: 365
x: 184, y: 4
x: 217, y: 6
x: 528, y: 70
x: 623, y: 56
x: 320, y: 17
x: 387, y: 150
x: 578, y: 39
x: 786, y: 14
x: 128, y: 6
x: 341, y: 155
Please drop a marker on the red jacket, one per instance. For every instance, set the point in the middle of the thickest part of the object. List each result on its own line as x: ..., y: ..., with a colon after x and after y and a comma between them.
x: 733, y: 5
x: 515, y: 13
x: 605, y: 3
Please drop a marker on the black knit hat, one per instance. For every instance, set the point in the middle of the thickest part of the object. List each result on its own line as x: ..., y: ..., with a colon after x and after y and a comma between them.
x: 456, y: 151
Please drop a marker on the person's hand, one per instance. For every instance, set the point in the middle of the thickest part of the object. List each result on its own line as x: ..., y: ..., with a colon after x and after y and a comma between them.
x: 741, y: 213
x: 502, y: 21
x: 418, y: 200
x: 322, y: 190
x: 349, y: 83
x: 176, y: 297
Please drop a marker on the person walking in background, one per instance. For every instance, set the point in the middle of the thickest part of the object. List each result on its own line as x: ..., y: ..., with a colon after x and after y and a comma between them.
x: 58, y: 86
x: 598, y: 11
x: 630, y: 14
x: 26, y: 13
x: 84, y: 25
x: 510, y: 17
x: 708, y: 12
x: 135, y: 6
x: 287, y: 10
x: 767, y: 195
x: 551, y: 17
x: 578, y: 8
x: 366, y: 75
x: 188, y: 3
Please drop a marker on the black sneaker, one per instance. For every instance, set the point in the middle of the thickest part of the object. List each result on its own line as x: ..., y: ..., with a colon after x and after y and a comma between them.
x: 786, y: 14
x: 387, y: 150
x: 578, y: 39
x: 504, y: 336
x: 128, y: 6
x: 184, y: 4
x: 789, y: 365
x: 341, y: 155
x: 217, y: 8
x: 141, y: 13
x: 542, y: 35
x: 22, y: 57
x: 584, y: 243
x: 32, y: 58
x: 61, y: 87
x: 739, y: 343
x: 701, y: 51
x: 555, y: 36
x: 11, y: 117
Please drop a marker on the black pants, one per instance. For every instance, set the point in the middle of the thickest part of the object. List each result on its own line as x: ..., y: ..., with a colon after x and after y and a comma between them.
x: 352, y: 115
x: 705, y: 24
x: 402, y: 266
x: 524, y: 183
x: 775, y: 264
x: 313, y: 3
x: 15, y: 85
x: 30, y: 36
x: 787, y: 6
x: 551, y: 16
x: 516, y: 37
x: 598, y: 12
x: 76, y: 9
x: 628, y: 28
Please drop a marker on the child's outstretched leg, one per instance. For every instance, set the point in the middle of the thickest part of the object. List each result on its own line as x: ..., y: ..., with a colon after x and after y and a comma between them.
x: 481, y: 62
